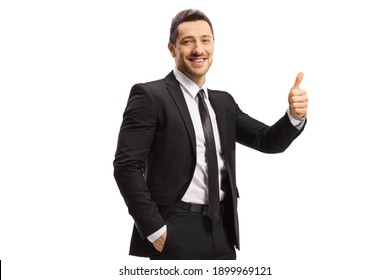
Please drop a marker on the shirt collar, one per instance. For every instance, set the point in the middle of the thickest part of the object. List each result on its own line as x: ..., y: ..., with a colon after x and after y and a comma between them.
x: 188, y: 84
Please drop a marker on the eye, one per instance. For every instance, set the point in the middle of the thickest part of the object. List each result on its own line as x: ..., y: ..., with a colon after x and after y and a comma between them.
x: 186, y: 42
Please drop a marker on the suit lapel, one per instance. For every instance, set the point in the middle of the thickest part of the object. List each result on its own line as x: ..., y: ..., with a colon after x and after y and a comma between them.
x: 177, y: 95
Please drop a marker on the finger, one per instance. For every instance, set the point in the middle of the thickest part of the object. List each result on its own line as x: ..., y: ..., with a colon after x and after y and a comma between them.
x: 298, y: 92
x: 298, y: 80
x: 299, y: 113
x: 298, y: 98
x: 298, y: 106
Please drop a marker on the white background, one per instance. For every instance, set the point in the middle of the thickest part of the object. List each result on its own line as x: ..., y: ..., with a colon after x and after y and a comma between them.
x: 318, y: 211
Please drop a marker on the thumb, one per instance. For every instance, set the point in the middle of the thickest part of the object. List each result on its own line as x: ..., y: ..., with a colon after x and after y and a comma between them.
x: 298, y: 80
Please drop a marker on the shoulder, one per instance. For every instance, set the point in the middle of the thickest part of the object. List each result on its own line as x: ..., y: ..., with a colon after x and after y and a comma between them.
x: 149, y: 86
x: 156, y: 86
x: 221, y: 95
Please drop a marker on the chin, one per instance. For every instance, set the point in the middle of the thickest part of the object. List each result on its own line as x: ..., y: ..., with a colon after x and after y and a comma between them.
x: 200, y: 71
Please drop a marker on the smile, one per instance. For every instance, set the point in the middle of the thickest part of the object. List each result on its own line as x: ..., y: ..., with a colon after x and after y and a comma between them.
x: 197, y: 60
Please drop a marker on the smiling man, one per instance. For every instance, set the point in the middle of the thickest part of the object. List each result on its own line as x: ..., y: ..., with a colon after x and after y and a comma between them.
x: 175, y: 160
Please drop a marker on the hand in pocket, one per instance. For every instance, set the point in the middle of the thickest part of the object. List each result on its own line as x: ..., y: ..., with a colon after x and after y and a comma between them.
x: 160, y: 242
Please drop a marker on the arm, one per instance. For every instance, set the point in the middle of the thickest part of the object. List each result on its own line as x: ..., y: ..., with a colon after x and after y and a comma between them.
x: 267, y: 139
x: 275, y: 138
x: 134, y: 143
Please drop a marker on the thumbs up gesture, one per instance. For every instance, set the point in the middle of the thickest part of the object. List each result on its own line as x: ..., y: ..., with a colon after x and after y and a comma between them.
x: 297, y: 98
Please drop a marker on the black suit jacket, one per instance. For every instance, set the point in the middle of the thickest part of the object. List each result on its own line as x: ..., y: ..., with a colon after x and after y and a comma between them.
x: 156, y: 156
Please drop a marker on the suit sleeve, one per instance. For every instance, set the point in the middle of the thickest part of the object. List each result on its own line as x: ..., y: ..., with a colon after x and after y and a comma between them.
x: 134, y: 143
x: 268, y: 139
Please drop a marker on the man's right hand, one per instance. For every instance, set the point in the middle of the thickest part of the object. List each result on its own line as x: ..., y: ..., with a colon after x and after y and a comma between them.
x: 160, y: 242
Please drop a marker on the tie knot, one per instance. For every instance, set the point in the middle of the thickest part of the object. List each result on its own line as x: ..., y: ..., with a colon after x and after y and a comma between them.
x: 201, y: 94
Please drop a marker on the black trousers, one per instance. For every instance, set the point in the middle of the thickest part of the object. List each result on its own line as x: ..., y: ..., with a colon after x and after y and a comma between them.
x: 193, y: 236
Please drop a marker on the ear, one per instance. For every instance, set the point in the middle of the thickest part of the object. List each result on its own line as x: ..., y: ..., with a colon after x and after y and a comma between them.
x: 172, y: 49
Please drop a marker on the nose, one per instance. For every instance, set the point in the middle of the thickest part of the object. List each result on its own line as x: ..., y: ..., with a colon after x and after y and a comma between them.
x: 197, y: 50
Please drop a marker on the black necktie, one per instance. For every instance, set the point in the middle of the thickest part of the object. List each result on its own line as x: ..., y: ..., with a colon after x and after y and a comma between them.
x: 211, y: 157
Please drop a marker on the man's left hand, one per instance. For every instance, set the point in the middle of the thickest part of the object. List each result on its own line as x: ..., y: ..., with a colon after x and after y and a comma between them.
x: 297, y: 98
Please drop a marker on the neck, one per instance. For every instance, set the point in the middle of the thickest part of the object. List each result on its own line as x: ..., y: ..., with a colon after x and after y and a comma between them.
x: 198, y: 80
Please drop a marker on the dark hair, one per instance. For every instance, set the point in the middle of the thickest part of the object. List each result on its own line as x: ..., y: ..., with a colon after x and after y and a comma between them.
x: 184, y: 16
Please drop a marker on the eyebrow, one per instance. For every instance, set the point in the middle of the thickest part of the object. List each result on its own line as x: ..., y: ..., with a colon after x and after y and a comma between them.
x: 192, y: 37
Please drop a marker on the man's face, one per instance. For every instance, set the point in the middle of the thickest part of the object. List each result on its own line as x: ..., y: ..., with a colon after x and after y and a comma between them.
x: 194, y: 50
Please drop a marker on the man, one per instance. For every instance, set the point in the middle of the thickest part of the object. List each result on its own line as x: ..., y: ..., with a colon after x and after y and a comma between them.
x: 175, y: 161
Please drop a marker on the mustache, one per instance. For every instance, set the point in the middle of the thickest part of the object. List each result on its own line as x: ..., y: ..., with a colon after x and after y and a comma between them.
x: 196, y: 56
